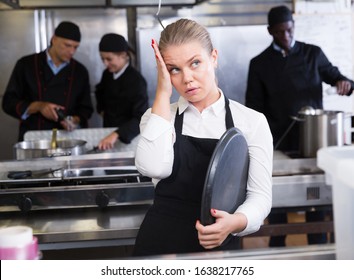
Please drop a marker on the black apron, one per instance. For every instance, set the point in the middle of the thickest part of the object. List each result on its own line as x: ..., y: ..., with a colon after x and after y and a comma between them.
x: 169, y: 224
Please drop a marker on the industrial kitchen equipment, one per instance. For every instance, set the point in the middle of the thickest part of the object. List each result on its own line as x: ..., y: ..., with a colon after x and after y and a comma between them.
x: 96, y: 180
x: 97, y: 200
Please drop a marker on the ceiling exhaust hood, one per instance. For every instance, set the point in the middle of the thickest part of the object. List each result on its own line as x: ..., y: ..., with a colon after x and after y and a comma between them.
x: 61, y: 4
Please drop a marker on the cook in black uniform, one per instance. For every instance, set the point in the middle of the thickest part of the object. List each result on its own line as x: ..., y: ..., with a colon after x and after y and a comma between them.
x: 176, y: 144
x: 285, y: 77
x: 44, y: 82
x: 122, y: 92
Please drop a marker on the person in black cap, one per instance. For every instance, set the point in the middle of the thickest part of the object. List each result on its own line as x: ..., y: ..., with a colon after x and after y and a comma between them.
x: 284, y: 78
x: 68, y: 30
x: 45, y: 83
x: 121, y: 94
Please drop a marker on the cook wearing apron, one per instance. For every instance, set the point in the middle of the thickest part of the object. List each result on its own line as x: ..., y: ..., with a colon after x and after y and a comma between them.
x: 169, y: 225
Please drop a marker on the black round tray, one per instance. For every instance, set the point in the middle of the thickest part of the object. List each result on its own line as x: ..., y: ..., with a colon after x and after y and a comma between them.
x: 226, y: 180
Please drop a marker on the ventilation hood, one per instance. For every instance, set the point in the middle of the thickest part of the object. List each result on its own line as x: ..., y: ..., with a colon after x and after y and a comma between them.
x: 61, y: 4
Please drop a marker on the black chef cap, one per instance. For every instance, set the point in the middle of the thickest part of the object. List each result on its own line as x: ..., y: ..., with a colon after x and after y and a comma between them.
x: 279, y: 14
x: 68, y: 30
x: 112, y: 42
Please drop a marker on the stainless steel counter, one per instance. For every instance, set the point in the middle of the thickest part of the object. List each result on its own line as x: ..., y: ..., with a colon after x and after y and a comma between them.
x: 100, y: 205
x: 311, y: 252
x: 80, y: 228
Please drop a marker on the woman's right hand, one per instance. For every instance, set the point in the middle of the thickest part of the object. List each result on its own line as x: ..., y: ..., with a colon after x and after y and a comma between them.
x: 161, y: 105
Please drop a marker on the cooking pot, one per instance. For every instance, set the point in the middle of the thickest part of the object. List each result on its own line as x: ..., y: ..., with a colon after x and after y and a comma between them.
x: 319, y: 128
x: 44, y: 148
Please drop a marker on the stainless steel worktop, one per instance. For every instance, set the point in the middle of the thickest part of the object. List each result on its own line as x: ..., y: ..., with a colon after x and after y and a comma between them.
x: 104, y: 206
x: 81, y: 228
x: 311, y: 252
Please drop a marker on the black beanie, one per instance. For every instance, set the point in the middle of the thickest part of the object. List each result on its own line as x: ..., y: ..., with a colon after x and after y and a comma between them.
x: 279, y: 14
x: 112, y: 42
x: 68, y: 30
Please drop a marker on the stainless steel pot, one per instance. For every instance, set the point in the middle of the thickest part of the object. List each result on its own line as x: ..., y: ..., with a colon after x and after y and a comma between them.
x: 43, y: 148
x: 319, y: 128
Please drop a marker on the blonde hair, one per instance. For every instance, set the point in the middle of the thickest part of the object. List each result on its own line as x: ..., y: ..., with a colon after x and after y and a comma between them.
x: 185, y: 31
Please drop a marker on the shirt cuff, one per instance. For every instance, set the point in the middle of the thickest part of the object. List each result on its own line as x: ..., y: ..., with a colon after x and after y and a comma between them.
x: 251, y: 227
x: 25, y: 115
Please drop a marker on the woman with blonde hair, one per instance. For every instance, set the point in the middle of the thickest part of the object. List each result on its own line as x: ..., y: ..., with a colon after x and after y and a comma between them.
x: 178, y: 140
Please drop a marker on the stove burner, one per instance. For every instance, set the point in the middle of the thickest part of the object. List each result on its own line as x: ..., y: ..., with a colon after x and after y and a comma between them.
x: 77, y: 190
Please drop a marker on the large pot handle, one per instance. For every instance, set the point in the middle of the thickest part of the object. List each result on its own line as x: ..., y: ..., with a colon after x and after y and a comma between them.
x: 297, y: 119
x: 60, y: 154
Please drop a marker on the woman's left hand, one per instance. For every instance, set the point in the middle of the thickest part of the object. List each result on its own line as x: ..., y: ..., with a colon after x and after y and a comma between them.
x: 213, y: 235
x: 108, y: 142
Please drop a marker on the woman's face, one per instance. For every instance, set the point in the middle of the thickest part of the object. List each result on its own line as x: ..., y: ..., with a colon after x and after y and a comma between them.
x: 192, y: 71
x: 114, y: 62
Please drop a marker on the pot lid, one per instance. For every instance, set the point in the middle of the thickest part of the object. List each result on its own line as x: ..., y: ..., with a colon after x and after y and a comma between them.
x: 307, y: 110
x: 226, y: 180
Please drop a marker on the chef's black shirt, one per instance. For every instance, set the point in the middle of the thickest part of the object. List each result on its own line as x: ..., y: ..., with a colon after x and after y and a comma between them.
x: 279, y: 86
x: 123, y: 101
x: 33, y: 80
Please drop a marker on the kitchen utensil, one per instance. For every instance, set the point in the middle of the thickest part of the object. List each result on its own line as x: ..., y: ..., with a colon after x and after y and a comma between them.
x: 61, y: 114
x: 226, y: 180
x: 307, y: 110
x: 22, y: 174
x: 319, y: 129
x: 93, y: 150
x: 53, y: 143
x: 42, y: 148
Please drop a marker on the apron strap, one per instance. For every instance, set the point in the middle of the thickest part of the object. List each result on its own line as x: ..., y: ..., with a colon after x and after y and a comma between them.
x: 178, y: 122
x: 228, y: 116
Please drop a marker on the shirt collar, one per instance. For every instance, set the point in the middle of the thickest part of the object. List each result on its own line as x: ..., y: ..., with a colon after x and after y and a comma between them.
x: 52, y: 66
x: 120, y: 73
x: 279, y: 49
x: 217, y: 107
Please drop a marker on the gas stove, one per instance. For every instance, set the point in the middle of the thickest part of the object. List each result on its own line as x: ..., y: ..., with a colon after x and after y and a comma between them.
x: 98, y: 180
